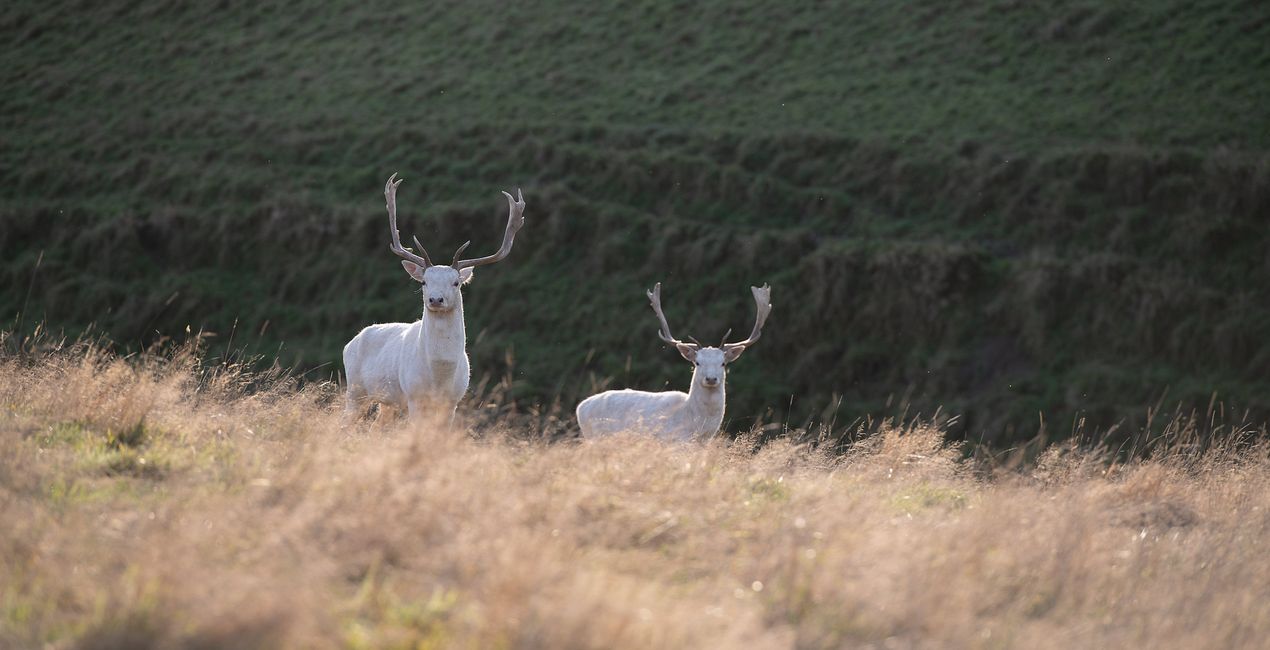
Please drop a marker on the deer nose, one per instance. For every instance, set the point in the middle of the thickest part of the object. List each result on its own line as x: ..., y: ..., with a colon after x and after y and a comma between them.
x: 436, y: 301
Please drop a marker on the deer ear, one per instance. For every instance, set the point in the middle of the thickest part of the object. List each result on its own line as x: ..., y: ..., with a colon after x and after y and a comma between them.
x: 730, y: 354
x: 413, y: 269
x: 465, y: 275
x: 687, y: 351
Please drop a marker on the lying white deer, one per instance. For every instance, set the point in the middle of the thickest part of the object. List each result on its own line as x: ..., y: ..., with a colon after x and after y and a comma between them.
x: 673, y: 415
x: 421, y: 365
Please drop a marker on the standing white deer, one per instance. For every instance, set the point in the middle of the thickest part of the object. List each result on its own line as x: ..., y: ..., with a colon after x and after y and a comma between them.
x: 423, y: 365
x: 674, y: 415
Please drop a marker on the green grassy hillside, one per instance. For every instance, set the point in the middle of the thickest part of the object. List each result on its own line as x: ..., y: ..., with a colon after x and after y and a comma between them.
x: 999, y: 207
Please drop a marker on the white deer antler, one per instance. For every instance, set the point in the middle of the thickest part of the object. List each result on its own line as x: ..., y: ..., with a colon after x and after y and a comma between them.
x: 515, y: 219
x: 390, y: 199
x: 763, y: 305
x: 654, y: 298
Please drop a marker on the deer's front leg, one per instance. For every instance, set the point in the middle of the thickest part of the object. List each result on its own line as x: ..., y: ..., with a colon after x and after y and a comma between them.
x: 415, y: 410
x: 434, y: 410
x: 354, y: 407
x: 424, y: 409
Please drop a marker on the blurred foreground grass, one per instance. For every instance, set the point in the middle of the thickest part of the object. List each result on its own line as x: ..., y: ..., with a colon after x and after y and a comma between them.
x: 155, y: 502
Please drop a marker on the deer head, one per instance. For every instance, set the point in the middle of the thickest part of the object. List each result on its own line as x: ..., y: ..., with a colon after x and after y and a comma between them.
x: 710, y: 362
x: 441, y: 283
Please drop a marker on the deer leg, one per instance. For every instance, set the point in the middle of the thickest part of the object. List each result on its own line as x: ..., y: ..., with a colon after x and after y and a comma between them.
x: 354, y: 405
x: 388, y: 413
x: 431, y: 410
x: 421, y: 409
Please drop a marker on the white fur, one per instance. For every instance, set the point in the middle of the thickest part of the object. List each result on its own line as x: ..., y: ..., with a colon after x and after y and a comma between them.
x: 420, y: 366
x: 669, y: 415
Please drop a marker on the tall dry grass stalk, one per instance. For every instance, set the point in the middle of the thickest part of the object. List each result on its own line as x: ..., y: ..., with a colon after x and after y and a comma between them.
x: 152, y: 502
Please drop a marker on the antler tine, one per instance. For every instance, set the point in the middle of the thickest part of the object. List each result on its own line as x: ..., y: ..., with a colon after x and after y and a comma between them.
x: 515, y: 219
x: 419, y: 247
x: 763, y: 307
x: 726, y: 334
x: 654, y: 298
x: 459, y: 252
x: 390, y: 202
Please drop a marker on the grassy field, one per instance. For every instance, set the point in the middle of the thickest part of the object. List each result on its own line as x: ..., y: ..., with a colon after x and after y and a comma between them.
x: 155, y: 502
x: 994, y: 207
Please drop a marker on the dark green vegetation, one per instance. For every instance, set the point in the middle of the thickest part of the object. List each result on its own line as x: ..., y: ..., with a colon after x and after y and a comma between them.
x: 1000, y: 207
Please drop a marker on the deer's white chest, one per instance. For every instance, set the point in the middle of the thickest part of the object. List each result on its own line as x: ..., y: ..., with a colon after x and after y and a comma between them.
x: 444, y: 372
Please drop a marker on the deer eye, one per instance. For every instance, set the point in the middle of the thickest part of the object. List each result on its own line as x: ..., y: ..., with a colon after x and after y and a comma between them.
x: 456, y: 283
x: 423, y: 283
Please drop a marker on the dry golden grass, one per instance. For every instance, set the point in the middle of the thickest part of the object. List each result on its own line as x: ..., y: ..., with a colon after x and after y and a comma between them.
x: 153, y: 503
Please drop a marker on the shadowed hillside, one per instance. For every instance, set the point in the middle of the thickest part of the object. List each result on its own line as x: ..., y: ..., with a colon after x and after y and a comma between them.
x: 996, y: 207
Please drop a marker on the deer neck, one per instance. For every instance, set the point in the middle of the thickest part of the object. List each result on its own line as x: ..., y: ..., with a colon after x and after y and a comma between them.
x: 705, y: 403
x: 443, y: 339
